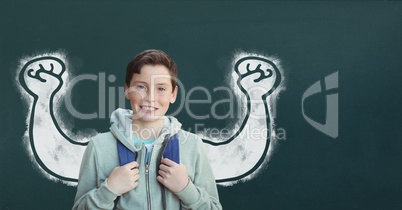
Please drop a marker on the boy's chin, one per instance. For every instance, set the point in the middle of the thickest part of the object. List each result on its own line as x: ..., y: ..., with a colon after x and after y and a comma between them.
x: 147, y: 118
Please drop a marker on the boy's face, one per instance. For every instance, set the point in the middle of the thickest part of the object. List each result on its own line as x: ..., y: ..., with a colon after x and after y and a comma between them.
x: 150, y: 93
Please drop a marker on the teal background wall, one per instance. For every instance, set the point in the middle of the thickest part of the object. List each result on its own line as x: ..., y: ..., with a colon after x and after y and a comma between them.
x: 361, y: 169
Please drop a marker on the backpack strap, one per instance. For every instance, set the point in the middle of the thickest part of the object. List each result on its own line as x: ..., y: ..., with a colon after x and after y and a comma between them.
x: 172, y: 151
x: 125, y: 155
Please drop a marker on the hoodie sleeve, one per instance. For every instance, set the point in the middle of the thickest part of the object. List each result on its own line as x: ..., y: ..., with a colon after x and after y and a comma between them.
x: 201, y: 192
x: 90, y: 194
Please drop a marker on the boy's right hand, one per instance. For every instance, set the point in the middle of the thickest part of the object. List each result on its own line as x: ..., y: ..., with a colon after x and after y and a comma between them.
x: 124, y: 178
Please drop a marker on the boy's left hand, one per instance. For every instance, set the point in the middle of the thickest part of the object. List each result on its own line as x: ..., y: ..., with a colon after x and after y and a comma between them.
x: 172, y: 175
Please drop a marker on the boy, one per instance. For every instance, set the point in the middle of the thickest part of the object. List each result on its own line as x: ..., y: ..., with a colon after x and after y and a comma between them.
x: 152, y: 179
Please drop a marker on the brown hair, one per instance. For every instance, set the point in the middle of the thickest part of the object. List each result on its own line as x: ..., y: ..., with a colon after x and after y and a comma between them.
x: 151, y: 57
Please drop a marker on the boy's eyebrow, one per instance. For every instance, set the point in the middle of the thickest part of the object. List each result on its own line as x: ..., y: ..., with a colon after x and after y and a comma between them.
x: 159, y: 83
x: 162, y: 83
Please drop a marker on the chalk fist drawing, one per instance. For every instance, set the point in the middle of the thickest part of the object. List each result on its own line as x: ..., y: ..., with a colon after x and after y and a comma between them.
x: 56, y: 154
x: 255, y: 78
x: 256, y: 81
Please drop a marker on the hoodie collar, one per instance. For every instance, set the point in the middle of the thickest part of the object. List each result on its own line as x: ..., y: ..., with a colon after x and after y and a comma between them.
x: 121, y: 127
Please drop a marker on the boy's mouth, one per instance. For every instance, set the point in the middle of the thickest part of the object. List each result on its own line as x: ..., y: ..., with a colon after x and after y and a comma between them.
x: 148, y: 108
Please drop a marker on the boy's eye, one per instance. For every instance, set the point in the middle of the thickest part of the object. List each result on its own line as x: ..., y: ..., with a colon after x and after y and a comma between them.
x: 140, y: 87
x: 161, y: 89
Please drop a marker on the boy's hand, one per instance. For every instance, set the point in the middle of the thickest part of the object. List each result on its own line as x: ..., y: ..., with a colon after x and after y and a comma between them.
x: 172, y: 175
x: 124, y: 178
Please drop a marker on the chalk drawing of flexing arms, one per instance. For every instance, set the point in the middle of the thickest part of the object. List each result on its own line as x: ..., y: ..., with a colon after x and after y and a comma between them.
x: 256, y: 81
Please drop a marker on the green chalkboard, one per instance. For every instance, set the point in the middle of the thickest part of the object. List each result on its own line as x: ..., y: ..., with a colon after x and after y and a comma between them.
x: 339, y: 110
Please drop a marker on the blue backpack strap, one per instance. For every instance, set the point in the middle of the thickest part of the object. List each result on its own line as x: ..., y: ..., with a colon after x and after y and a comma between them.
x: 125, y: 155
x: 172, y: 152
x: 172, y: 149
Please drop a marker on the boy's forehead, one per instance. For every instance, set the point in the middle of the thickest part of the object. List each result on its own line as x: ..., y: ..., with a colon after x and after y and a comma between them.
x: 148, y: 78
x: 153, y: 73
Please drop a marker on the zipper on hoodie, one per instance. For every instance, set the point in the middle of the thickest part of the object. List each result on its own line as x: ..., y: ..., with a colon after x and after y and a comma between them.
x: 147, y: 171
x: 147, y: 176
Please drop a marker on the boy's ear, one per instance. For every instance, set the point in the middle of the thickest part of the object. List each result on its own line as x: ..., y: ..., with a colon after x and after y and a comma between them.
x: 174, y: 95
x: 126, y: 91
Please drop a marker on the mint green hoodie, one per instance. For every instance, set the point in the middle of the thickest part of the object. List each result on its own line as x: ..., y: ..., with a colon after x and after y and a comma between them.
x: 101, y: 158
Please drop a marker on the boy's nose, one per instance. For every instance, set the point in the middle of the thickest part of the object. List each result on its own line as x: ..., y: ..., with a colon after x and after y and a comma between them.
x: 150, y: 95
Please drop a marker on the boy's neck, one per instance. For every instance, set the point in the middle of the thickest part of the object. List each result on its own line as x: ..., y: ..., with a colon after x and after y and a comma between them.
x: 148, y: 130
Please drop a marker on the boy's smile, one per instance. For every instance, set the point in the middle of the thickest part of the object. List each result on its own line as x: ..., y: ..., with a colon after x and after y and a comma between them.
x: 150, y: 94
x: 148, y: 108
